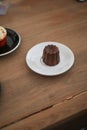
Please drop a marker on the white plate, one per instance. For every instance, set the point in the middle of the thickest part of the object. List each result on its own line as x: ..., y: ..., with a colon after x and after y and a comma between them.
x: 13, y: 42
x: 35, y: 62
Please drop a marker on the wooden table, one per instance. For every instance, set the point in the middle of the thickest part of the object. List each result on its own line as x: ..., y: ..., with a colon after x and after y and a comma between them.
x: 29, y: 101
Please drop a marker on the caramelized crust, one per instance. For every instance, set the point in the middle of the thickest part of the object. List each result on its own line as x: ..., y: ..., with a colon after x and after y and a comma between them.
x: 51, y: 55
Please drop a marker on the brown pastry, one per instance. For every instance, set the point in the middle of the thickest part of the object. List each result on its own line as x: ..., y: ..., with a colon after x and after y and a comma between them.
x: 51, y: 55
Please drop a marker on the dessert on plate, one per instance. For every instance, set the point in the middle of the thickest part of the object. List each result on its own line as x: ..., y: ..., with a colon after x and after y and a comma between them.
x: 3, y: 36
x: 51, y: 55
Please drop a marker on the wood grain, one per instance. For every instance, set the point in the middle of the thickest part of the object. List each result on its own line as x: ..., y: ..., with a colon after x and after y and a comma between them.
x: 56, y: 113
x: 30, y: 101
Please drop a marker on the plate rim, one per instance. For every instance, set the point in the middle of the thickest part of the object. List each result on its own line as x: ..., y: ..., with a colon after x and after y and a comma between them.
x: 45, y: 74
x: 12, y: 50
